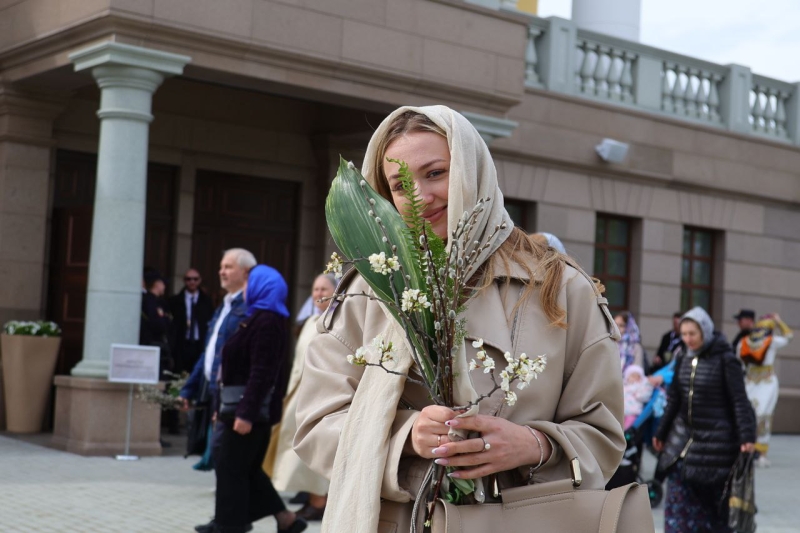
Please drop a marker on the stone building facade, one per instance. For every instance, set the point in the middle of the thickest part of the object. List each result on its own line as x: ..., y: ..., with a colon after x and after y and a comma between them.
x: 255, y: 101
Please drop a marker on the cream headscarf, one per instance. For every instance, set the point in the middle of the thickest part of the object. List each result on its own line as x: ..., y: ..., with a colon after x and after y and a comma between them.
x: 469, y: 159
x: 358, y: 469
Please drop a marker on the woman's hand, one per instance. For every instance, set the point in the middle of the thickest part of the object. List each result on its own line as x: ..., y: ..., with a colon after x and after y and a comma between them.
x: 242, y: 427
x: 183, y: 403
x: 511, y: 446
x: 655, y: 381
x: 748, y: 447
x: 429, y: 431
x: 658, y: 445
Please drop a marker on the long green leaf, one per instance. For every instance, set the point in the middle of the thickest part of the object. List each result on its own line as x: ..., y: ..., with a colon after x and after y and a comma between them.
x: 358, y: 235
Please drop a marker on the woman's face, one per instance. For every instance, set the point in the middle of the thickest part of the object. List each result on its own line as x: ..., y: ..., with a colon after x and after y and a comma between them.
x: 323, y: 288
x: 428, y: 159
x: 691, y: 335
x: 620, y: 320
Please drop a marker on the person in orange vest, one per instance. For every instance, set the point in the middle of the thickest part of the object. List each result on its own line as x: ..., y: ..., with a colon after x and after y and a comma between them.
x: 758, y: 351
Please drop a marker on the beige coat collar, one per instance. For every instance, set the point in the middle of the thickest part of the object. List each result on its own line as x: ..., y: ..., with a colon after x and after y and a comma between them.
x: 490, y: 312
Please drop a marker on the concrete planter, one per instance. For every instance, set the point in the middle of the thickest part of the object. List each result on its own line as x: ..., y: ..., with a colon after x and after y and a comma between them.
x: 28, y: 366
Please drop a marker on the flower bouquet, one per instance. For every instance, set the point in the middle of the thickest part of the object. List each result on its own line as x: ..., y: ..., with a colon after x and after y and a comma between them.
x: 37, y: 328
x: 424, y: 283
x: 168, y: 397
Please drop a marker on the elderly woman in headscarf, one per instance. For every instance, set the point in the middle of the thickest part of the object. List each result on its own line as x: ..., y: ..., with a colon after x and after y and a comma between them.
x: 708, y: 421
x: 630, y: 342
x: 252, y: 360
x: 288, y: 472
x: 375, y: 434
x: 758, y: 351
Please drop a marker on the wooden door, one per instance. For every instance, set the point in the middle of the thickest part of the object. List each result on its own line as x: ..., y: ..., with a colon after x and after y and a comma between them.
x: 70, y: 244
x: 258, y: 214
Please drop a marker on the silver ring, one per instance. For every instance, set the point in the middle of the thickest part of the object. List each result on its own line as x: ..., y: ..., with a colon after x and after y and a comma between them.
x: 486, y: 445
x: 438, y: 440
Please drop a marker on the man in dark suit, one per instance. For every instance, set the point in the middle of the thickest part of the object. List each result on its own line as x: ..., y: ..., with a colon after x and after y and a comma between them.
x: 670, y: 342
x: 156, y: 321
x: 155, y: 329
x: 192, y: 310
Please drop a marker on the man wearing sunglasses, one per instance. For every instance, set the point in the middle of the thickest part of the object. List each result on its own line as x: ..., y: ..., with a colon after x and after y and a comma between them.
x: 192, y: 310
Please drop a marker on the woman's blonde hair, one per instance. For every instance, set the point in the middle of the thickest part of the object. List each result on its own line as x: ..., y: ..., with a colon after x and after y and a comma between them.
x: 518, y: 248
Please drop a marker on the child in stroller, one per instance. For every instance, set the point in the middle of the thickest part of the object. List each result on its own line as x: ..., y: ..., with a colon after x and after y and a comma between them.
x: 629, y: 469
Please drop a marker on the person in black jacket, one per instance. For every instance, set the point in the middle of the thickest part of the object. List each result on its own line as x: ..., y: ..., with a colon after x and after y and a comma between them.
x: 155, y: 320
x: 252, y: 359
x: 191, y: 310
x: 670, y: 343
x: 708, y: 421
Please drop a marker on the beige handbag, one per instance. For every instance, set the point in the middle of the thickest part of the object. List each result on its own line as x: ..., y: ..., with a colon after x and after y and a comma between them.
x: 554, y: 506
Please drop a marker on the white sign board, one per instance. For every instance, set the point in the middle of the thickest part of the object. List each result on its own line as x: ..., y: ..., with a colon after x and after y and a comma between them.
x: 131, y: 363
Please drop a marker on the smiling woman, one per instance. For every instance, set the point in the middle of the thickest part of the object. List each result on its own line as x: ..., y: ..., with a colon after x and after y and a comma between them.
x: 428, y: 159
x: 523, y: 295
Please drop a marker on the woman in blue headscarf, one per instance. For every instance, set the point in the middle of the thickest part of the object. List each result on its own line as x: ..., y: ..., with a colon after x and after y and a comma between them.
x: 252, y: 362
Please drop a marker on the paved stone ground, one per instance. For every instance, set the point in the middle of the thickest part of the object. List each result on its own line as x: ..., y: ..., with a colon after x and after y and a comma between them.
x: 44, y: 490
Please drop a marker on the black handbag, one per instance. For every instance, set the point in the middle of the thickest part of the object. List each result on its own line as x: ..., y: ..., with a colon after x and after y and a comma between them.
x: 676, y: 442
x: 741, y: 492
x: 231, y: 395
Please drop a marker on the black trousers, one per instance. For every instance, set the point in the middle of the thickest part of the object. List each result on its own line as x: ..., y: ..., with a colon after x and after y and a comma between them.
x: 188, y: 352
x: 244, y: 491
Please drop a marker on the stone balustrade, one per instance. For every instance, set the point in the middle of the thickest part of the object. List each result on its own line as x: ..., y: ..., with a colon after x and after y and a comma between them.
x: 768, y: 105
x: 563, y: 58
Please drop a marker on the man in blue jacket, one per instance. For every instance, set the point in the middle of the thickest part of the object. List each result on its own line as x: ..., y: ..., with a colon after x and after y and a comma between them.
x: 204, y: 380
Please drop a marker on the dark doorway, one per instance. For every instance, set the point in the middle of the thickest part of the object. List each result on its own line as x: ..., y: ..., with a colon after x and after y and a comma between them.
x: 234, y: 211
x: 71, y: 231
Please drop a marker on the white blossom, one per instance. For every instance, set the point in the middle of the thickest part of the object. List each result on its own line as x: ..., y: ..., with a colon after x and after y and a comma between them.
x: 488, y: 365
x: 481, y: 355
x: 382, y: 265
x: 473, y: 365
x: 393, y: 262
x: 505, y: 384
x: 358, y: 359
x: 414, y: 300
x: 335, y: 266
x: 511, y: 398
x: 478, y: 343
x: 386, y: 349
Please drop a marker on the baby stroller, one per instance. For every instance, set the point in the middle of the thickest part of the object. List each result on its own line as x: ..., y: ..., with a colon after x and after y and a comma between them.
x: 628, y: 471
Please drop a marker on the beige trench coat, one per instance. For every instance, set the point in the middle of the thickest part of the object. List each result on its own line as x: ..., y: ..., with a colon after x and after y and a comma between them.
x: 289, y: 473
x: 579, y: 395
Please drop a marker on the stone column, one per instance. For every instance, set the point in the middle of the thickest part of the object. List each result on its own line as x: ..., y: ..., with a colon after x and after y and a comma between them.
x: 127, y: 76
x: 90, y: 413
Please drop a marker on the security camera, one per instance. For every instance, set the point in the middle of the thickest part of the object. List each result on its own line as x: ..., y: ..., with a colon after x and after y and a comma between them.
x: 612, y: 151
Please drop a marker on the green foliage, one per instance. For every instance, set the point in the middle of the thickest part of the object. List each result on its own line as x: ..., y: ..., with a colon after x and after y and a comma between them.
x: 437, y: 247
x: 351, y: 210
x: 459, y: 489
x: 461, y: 328
x: 415, y: 224
x: 37, y: 328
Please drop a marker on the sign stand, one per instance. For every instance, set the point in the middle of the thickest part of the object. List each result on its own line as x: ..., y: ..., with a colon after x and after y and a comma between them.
x: 127, y: 456
x: 133, y: 364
